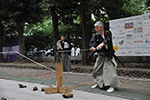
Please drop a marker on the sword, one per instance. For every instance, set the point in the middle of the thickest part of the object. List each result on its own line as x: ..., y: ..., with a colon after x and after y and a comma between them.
x: 91, y: 53
x: 119, y: 60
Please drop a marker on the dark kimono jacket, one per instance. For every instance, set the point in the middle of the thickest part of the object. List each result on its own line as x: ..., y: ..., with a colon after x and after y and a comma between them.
x: 98, y: 39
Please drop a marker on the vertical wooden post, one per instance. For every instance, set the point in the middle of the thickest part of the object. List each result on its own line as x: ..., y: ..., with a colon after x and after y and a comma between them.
x: 59, y: 75
x: 59, y: 79
x: 59, y: 71
x: 58, y: 57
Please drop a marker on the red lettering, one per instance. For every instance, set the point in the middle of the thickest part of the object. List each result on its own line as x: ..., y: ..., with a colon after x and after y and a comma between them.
x: 147, y: 34
x: 138, y: 41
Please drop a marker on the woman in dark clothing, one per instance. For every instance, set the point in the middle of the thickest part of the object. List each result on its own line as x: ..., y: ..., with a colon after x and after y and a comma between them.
x: 62, y: 44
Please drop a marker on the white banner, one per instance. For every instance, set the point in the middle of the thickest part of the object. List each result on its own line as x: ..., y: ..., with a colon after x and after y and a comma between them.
x: 131, y: 36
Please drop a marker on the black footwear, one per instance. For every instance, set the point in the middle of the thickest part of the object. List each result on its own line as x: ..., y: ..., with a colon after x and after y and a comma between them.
x: 22, y: 86
x: 35, y: 88
x: 105, y: 87
x: 3, y: 98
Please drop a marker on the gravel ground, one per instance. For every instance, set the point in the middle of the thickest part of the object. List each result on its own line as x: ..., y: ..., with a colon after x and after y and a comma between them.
x: 131, y: 83
x: 9, y: 90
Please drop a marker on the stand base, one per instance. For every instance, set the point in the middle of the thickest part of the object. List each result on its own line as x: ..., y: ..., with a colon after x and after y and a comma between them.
x: 52, y: 89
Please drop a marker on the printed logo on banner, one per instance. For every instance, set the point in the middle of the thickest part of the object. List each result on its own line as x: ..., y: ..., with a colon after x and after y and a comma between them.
x: 146, y: 52
x: 138, y: 18
x: 115, y: 48
x: 122, y: 37
x: 120, y: 26
x: 113, y: 38
x: 145, y: 29
x: 146, y: 47
x: 120, y: 21
x: 146, y: 17
x: 129, y: 42
x: 122, y: 53
x: 138, y: 52
x: 146, y: 23
x: 128, y: 25
x: 129, y: 31
x: 112, y: 28
x: 138, y: 36
x: 121, y: 47
x: 120, y: 30
x: 129, y: 47
x: 115, y: 43
x: 138, y: 24
x: 129, y: 52
x: 121, y: 42
x: 128, y: 19
x: 139, y: 47
x: 121, y: 33
x: 138, y: 30
x: 129, y: 36
x: 146, y: 35
x: 140, y: 41
x: 147, y: 41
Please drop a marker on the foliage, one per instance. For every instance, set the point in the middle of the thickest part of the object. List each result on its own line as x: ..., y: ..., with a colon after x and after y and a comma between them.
x: 39, y: 35
x: 113, y: 9
x: 69, y: 19
x: 135, y: 7
x: 72, y: 33
x: 20, y: 12
x: 31, y: 14
x: 14, y: 11
x: 67, y: 10
x: 44, y: 32
x: 147, y: 4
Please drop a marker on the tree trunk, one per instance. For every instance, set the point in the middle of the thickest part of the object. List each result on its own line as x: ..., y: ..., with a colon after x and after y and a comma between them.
x: 55, y: 28
x: 1, y: 41
x: 86, y: 30
x: 20, y: 30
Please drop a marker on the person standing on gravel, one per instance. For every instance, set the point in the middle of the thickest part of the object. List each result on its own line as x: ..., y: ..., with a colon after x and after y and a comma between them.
x: 104, y: 71
x: 63, y: 45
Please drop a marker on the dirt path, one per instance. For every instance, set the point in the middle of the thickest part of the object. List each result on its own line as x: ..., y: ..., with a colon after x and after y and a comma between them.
x: 131, y: 83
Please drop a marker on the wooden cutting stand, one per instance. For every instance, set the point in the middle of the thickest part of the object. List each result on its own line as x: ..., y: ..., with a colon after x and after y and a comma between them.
x: 58, y: 88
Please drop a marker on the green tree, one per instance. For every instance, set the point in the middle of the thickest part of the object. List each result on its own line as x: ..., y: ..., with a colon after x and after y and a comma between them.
x: 67, y: 15
x: 135, y: 7
x: 62, y: 11
x: 40, y: 35
x: 55, y: 27
x: 114, y: 9
x: 69, y: 11
x: 20, y: 12
x: 86, y: 28
x: 1, y: 30
x: 147, y: 4
x: 1, y: 39
x: 7, y: 26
